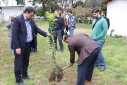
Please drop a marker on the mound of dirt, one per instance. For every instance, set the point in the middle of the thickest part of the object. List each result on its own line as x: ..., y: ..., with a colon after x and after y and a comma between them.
x: 53, y: 77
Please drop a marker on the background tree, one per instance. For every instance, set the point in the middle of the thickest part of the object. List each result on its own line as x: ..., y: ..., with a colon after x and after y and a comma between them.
x: 88, y: 13
x: 79, y: 12
x: 39, y: 11
x: 53, y: 5
x: 79, y: 3
x: 43, y: 2
x: 20, y: 2
x: 72, y: 2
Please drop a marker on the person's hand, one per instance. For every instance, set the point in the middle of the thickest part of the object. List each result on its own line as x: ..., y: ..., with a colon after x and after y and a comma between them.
x: 71, y: 27
x: 70, y: 64
x: 49, y: 34
x: 18, y: 51
x: 10, y: 19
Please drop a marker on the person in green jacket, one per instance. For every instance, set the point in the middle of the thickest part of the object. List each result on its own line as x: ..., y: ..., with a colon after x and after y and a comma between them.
x: 99, y: 31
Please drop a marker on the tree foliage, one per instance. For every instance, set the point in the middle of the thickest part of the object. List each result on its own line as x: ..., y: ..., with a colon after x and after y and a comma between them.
x: 52, y: 4
x: 79, y: 3
x: 20, y: 2
x: 39, y: 11
x: 51, y: 18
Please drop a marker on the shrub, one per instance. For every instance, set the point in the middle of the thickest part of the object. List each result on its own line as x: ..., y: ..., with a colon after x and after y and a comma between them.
x: 39, y: 11
x: 86, y: 21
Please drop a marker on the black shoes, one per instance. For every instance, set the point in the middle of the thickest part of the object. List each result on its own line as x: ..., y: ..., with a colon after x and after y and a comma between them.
x: 62, y: 50
x: 22, y: 83
x: 35, y: 51
x: 28, y: 77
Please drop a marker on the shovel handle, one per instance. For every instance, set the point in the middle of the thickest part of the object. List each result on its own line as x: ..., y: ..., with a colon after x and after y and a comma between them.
x: 67, y: 66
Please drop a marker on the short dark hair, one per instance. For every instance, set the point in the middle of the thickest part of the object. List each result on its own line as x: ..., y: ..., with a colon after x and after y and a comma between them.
x: 66, y: 37
x: 69, y: 11
x: 29, y: 10
x: 104, y: 12
x: 59, y: 10
x: 95, y: 10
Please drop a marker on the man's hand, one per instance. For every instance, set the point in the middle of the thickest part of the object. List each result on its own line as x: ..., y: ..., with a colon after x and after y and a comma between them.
x: 10, y: 19
x: 70, y: 64
x: 18, y: 51
x: 71, y: 27
x: 49, y: 34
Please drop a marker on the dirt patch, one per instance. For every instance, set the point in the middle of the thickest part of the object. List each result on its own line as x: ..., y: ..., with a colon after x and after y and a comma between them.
x: 53, y: 77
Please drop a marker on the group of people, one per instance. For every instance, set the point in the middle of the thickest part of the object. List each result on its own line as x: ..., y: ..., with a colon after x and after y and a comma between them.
x: 23, y: 30
x: 89, y: 49
x: 60, y: 26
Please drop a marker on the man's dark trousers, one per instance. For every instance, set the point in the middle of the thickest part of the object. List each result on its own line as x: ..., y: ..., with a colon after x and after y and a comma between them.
x: 85, y: 70
x: 21, y: 63
x: 35, y: 43
x: 58, y: 34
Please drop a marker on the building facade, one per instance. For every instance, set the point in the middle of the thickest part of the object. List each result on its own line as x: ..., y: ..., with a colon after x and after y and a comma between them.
x: 116, y: 12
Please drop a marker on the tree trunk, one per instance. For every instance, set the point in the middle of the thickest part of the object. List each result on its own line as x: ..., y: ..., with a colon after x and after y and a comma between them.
x: 83, y: 21
x: 72, y: 2
x: 89, y: 20
x: 52, y: 10
x: 43, y: 5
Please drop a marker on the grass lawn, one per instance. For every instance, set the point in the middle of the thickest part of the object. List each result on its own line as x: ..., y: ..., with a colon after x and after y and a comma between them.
x: 40, y: 66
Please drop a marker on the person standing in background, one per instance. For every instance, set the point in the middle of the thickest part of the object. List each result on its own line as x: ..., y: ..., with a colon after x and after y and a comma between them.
x: 66, y: 24
x: 103, y: 13
x: 71, y: 22
x: 59, y: 26
x: 8, y: 24
x: 62, y: 15
x: 99, y: 31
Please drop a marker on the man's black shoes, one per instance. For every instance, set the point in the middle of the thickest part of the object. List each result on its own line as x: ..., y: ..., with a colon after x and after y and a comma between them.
x: 22, y: 83
x: 28, y: 77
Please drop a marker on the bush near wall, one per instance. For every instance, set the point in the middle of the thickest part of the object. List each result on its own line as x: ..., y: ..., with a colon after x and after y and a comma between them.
x: 86, y: 21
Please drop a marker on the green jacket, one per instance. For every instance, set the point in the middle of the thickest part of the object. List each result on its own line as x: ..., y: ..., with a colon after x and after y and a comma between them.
x: 100, y: 29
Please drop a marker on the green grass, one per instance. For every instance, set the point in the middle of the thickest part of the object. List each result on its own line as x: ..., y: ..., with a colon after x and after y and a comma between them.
x: 85, y: 25
x: 41, y: 64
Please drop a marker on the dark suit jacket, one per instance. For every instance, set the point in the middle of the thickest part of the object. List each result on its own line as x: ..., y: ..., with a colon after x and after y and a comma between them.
x: 84, y: 46
x: 19, y: 32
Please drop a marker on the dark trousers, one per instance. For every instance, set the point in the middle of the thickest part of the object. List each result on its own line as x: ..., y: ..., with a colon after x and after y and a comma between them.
x: 67, y: 28
x: 58, y: 34
x: 62, y: 34
x: 85, y: 70
x: 21, y: 63
x: 35, y: 44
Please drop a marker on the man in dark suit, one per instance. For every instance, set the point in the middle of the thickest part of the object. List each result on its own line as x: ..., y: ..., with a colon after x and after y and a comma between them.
x: 24, y: 32
x: 87, y: 50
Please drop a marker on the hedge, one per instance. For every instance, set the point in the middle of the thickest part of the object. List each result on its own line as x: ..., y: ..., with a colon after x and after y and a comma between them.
x: 86, y: 21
